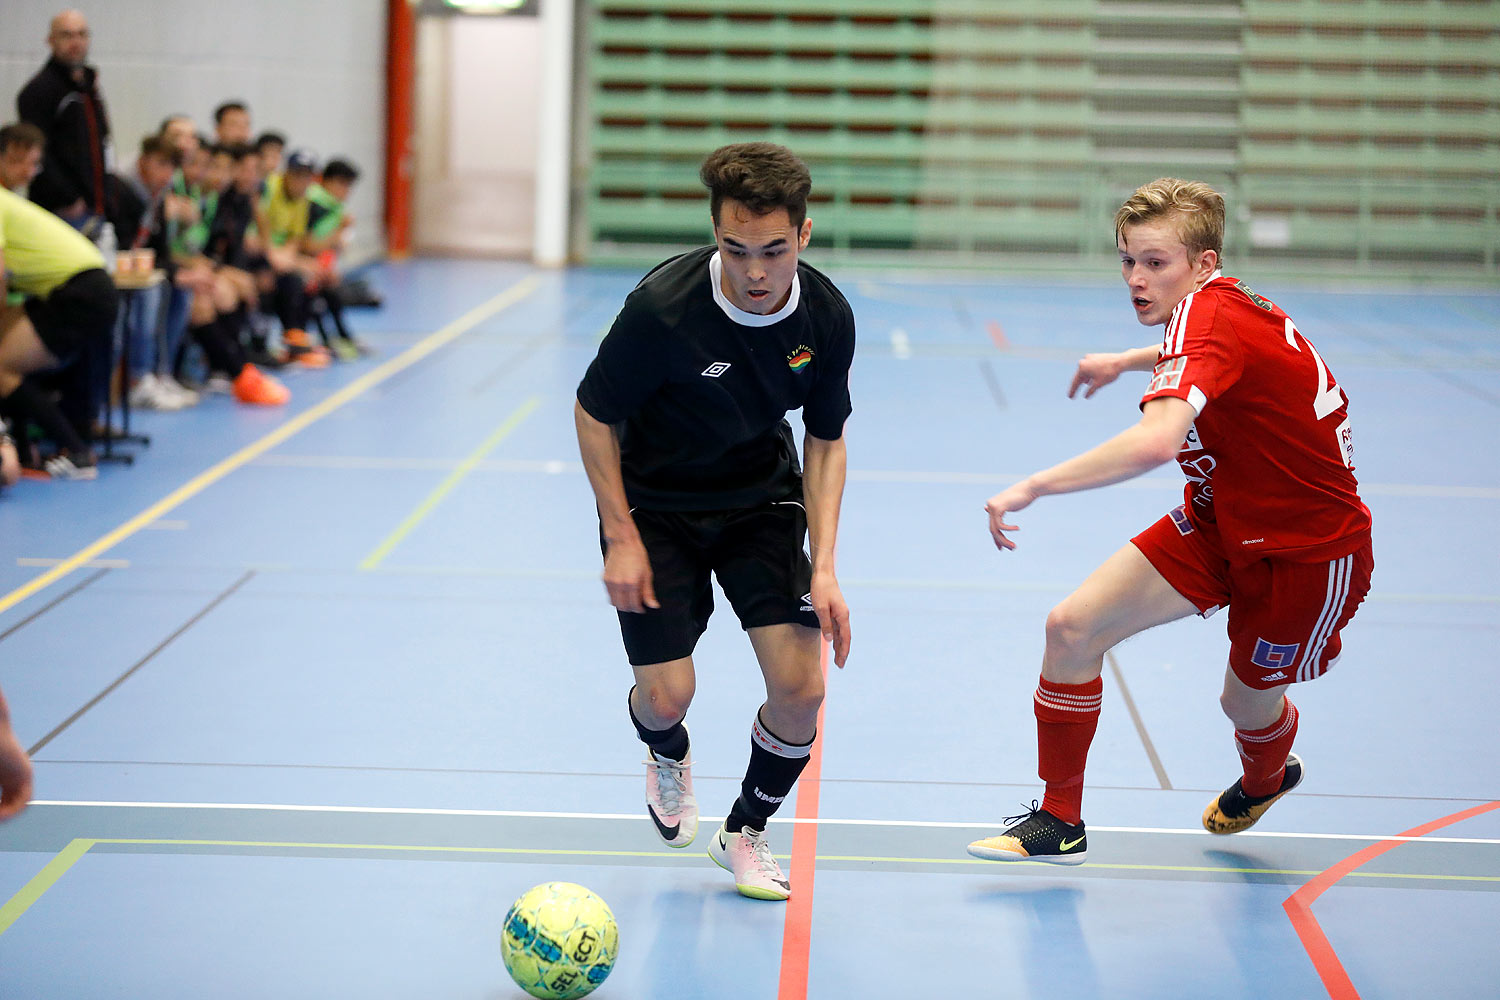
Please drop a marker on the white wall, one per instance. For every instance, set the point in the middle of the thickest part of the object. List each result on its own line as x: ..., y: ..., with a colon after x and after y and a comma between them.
x: 314, y: 71
x: 495, y: 69
x: 478, y: 82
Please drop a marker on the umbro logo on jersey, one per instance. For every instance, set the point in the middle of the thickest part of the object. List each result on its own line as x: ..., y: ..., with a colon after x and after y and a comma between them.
x: 807, y: 604
x: 716, y: 369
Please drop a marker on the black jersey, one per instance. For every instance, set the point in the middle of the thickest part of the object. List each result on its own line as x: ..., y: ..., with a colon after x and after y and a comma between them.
x: 702, y: 389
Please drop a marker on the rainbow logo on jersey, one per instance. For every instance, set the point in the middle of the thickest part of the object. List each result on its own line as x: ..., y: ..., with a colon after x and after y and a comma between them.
x: 801, y: 359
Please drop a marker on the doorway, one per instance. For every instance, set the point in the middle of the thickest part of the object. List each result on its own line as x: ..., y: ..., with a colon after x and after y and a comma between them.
x: 474, y: 177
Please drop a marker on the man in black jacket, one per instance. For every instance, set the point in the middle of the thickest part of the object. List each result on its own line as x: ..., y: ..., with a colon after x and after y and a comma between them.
x: 63, y: 101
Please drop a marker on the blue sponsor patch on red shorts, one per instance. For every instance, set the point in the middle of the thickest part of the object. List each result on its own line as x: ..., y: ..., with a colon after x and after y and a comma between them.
x: 1180, y: 518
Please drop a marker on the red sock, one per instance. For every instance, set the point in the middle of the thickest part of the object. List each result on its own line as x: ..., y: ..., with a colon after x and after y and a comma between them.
x: 1263, y: 752
x: 1066, y: 717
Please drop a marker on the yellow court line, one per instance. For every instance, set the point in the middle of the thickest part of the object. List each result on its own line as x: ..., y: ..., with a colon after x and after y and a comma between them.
x: 42, y: 881
x: 453, y: 479
x: 249, y: 453
x: 1162, y: 868
x: 422, y: 848
x: 76, y: 849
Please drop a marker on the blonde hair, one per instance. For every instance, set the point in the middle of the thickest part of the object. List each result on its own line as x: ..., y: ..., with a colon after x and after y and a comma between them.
x: 1196, y: 208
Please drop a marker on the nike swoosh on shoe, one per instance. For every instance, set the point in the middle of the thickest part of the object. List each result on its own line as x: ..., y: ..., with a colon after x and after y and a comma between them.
x: 669, y: 832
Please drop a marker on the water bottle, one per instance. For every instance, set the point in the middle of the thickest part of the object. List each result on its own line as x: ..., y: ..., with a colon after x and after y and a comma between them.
x: 107, y: 246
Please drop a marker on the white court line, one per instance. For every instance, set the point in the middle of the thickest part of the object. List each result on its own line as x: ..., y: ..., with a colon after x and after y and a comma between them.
x: 912, y: 476
x: 821, y: 821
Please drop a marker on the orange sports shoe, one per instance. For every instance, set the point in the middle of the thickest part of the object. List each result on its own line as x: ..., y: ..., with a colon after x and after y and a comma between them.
x: 296, y: 338
x: 311, y: 357
x: 258, y: 389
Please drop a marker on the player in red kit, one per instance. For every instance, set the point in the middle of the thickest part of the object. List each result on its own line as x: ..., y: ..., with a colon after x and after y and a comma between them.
x: 1271, y: 526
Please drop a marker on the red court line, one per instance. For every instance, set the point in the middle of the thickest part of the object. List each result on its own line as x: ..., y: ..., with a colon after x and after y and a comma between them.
x: 1299, y: 905
x: 796, y: 937
x: 997, y: 334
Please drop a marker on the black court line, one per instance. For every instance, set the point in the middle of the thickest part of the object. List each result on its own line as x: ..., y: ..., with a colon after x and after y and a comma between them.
x: 401, y: 378
x: 1140, y: 726
x: 51, y: 604
x: 961, y: 311
x: 519, y: 357
x: 993, y: 381
x: 1473, y: 390
x: 1434, y: 367
x: 96, y: 699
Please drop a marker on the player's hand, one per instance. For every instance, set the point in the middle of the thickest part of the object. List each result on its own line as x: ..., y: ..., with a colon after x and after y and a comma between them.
x: 10, y: 463
x: 15, y: 774
x: 1096, y: 371
x: 627, y: 577
x: 833, y: 615
x: 1017, y: 497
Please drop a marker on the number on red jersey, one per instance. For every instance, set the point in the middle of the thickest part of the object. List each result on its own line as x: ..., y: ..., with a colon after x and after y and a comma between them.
x: 1327, y: 396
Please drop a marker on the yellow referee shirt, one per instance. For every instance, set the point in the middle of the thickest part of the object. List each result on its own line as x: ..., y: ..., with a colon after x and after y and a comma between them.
x: 40, y: 250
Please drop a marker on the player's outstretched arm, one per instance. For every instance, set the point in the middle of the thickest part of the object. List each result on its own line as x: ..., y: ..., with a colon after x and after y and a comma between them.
x: 823, y: 491
x: 1156, y: 439
x: 15, y: 769
x: 1098, y: 370
x: 627, y: 569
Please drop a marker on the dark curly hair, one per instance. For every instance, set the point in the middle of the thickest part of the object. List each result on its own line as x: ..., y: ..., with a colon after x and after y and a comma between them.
x: 762, y: 176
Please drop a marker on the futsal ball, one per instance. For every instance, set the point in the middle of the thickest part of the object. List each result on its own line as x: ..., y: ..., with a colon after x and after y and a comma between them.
x: 560, y: 941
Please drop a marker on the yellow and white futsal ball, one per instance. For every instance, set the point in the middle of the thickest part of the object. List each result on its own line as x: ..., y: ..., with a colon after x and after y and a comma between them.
x: 560, y: 941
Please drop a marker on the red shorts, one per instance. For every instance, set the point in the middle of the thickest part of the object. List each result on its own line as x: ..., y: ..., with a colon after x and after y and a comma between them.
x: 1284, y: 616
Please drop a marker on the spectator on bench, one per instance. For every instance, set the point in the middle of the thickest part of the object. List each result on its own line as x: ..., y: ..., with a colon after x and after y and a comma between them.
x: 281, y: 222
x: 154, y: 214
x: 269, y: 147
x: 232, y: 124
x: 21, y: 145
x: 69, y: 310
x: 328, y: 225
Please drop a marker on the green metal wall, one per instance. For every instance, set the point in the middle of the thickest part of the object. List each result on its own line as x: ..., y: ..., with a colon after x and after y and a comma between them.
x: 1348, y: 134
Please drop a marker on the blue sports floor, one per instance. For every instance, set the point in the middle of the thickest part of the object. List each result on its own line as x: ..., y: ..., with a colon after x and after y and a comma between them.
x: 315, y: 693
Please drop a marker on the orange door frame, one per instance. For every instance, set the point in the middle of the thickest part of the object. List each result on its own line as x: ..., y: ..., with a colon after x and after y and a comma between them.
x: 400, y: 98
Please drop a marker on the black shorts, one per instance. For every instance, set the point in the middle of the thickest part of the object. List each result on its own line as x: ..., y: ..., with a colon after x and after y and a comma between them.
x: 79, y: 312
x: 757, y: 555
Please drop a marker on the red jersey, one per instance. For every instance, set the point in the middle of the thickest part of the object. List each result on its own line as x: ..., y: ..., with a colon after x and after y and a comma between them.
x: 1270, y: 457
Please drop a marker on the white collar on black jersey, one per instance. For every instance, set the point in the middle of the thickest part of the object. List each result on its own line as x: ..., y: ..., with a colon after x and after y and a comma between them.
x: 734, y: 312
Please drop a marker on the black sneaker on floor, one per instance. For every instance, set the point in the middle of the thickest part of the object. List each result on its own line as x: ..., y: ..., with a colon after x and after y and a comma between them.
x: 1234, y: 811
x: 1035, y: 835
x: 263, y: 358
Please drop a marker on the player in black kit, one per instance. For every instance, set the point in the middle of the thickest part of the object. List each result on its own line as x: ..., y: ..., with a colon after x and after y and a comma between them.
x: 681, y: 422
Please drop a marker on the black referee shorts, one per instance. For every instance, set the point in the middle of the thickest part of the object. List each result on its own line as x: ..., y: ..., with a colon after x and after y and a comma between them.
x: 757, y: 555
x: 79, y: 312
